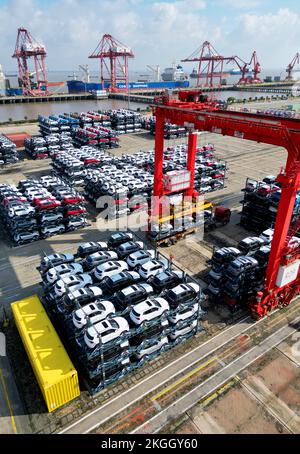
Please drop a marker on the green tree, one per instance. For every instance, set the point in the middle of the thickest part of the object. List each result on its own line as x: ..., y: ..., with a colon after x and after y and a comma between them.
x: 231, y: 100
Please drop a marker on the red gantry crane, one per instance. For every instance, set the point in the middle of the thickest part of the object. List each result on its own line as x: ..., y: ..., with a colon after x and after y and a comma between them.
x: 245, y: 69
x: 291, y: 65
x: 116, y: 70
x: 282, y: 282
x: 27, y: 48
x: 210, y: 65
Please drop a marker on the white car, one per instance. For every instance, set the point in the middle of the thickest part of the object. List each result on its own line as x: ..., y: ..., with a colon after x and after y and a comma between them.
x: 74, y: 224
x: 267, y: 236
x: 183, y: 314
x: 99, y: 257
x: 151, y: 348
x: 140, y: 257
x: 51, y: 217
x: 21, y: 238
x: 94, y: 312
x: 56, y: 272
x: 20, y: 210
x: 72, y: 283
x: 109, y: 269
x: 51, y: 230
x: 109, y: 330
x: 49, y: 261
x: 152, y: 267
x: 91, y: 247
x: 83, y: 296
x: 148, y: 310
x: 183, y: 331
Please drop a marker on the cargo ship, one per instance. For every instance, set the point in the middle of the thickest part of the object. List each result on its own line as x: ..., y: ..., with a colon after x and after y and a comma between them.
x: 78, y: 86
x: 194, y: 73
x: 174, y: 74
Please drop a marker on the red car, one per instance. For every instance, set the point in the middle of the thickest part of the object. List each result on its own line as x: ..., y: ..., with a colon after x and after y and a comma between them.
x: 72, y: 199
x: 7, y: 200
x: 74, y: 211
x: 47, y: 204
x: 89, y: 161
x: 41, y: 198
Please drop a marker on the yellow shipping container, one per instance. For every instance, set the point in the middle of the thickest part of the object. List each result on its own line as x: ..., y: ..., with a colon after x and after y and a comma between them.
x: 54, y: 371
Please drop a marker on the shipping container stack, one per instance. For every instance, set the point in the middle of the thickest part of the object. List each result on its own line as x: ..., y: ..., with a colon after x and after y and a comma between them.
x: 260, y: 204
x: 40, y: 209
x: 8, y: 151
x: 101, y: 359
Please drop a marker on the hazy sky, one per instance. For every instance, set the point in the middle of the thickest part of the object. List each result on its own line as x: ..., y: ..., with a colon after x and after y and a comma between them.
x: 157, y: 31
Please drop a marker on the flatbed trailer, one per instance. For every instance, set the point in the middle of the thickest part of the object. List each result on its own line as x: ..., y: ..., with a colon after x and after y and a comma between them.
x: 173, y: 238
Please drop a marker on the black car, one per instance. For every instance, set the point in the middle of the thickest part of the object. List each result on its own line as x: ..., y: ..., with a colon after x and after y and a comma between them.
x: 262, y: 255
x: 225, y: 255
x: 165, y: 280
x: 251, y: 244
x: 182, y: 294
x: 128, y: 248
x: 131, y: 295
x: 112, y: 284
x: 23, y: 224
x: 82, y: 296
x: 241, y: 265
x: 148, y: 333
x: 85, y: 249
x: 118, y: 238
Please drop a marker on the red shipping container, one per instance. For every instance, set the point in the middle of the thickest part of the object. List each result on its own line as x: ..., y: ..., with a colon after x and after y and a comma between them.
x: 18, y: 138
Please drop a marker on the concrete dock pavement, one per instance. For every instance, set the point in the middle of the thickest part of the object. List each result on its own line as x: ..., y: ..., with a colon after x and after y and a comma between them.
x: 13, y: 418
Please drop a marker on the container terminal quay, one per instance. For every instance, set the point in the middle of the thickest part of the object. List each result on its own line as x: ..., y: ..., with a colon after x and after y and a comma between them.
x: 150, y: 250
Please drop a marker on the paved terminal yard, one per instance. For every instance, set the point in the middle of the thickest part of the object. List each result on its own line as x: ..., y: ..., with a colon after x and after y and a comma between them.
x: 19, y: 278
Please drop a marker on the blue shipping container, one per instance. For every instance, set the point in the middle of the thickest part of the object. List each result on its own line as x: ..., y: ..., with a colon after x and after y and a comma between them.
x: 13, y: 91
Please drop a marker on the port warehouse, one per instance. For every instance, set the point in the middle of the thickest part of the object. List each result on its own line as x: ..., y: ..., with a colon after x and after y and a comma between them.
x: 54, y: 371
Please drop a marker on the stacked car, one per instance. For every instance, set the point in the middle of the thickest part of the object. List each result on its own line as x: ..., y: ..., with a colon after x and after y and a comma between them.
x: 40, y: 209
x: 260, y: 204
x: 210, y: 172
x: 17, y: 215
x: 118, y: 305
x: 125, y: 121
x: 74, y: 164
x: 238, y: 273
x: 41, y: 147
x: 8, y: 151
x: 171, y: 131
x: 56, y: 124
x: 99, y: 136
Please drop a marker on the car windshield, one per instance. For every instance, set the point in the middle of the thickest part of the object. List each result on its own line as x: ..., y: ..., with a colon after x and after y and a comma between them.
x: 161, y: 277
x: 91, y: 338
